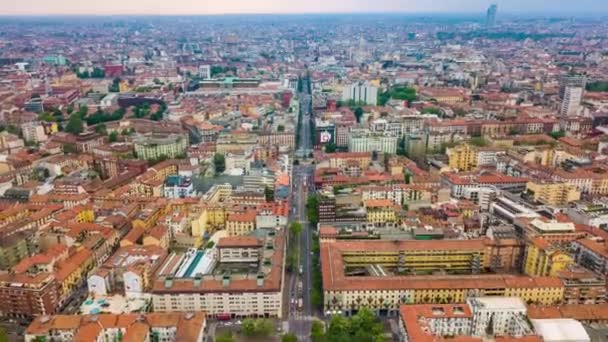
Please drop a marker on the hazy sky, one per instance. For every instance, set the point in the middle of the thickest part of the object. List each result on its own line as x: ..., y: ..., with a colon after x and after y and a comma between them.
x: 101, y: 7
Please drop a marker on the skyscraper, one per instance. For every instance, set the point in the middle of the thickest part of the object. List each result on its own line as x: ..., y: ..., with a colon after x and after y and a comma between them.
x: 571, y: 91
x: 491, y: 16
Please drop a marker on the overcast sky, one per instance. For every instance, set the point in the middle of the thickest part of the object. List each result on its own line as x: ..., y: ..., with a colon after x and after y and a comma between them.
x: 101, y: 7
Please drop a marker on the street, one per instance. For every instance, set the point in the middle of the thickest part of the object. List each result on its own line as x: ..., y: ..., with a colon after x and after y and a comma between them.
x: 303, y: 179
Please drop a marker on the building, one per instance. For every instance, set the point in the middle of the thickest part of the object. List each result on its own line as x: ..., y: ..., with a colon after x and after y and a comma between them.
x: 583, y: 286
x: 366, y: 141
x: 478, y: 320
x: 179, y: 187
x: 592, y: 255
x: 241, y: 223
x: 572, y: 89
x: 161, y: 326
x: 154, y: 146
x: 553, y: 193
x: 499, y: 316
x: 361, y: 92
x: 560, y: 330
x: 204, y: 72
x: 382, y: 275
x: 193, y: 282
x: 129, y: 270
x: 491, y: 16
x: 545, y: 259
x: 28, y: 296
x: 462, y: 158
x: 380, y: 211
x: 33, y: 132
x: 243, y: 249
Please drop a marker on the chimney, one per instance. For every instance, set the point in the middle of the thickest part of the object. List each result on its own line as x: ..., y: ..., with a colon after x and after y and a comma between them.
x: 226, y: 281
x: 260, y: 280
x: 168, y: 282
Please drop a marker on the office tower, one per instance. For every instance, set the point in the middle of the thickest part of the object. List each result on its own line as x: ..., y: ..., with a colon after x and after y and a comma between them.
x: 571, y: 92
x: 204, y: 71
x: 361, y: 92
x: 491, y: 16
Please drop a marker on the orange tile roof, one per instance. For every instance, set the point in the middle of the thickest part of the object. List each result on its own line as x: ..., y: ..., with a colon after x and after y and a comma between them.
x: 239, y: 241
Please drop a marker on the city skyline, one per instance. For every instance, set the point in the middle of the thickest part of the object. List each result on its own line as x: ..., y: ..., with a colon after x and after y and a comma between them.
x: 185, y: 7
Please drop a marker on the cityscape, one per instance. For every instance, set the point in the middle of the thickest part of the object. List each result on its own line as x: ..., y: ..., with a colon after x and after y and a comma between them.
x: 347, y: 171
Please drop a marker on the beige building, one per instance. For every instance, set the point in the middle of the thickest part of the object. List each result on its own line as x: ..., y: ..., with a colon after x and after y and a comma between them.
x: 235, y: 293
x: 553, y: 193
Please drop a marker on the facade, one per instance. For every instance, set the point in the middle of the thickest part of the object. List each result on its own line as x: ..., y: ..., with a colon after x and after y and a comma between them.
x: 229, y: 295
x: 553, y: 193
x: 243, y: 249
x: 462, y: 158
x: 592, y: 255
x: 571, y: 92
x: 413, y: 263
x: 155, y: 147
x: 33, y: 132
x: 167, y: 327
x: 361, y: 92
x: 238, y: 224
x: 365, y: 141
x: 28, y: 296
x: 179, y: 187
x: 544, y: 259
x: 491, y: 16
x: 380, y: 211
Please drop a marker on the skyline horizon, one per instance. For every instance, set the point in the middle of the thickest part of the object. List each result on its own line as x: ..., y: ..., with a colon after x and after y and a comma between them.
x: 297, y: 7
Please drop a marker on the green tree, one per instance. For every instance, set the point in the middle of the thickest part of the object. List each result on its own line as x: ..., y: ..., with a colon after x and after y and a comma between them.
x: 269, y: 194
x: 478, y: 141
x: 225, y: 337
x: 249, y: 327
x: 3, y: 335
x: 69, y: 148
x: 48, y: 117
x: 330, y: 148
x: 113, y: 137
x: 264, y: 327
x: 431, y: 110
x: 358, y: 113
x: 557, y: 135
x: 312, y: 209
x: 401, y: 150
x: 289, y: 337
x: 219, y: 162
x: 280, y: 128
x: 75, y: 125
x: 83, y: 111
x: 364, y: 326
x: 101, y: 129
x: 295, y: 228
x: 317, y: 331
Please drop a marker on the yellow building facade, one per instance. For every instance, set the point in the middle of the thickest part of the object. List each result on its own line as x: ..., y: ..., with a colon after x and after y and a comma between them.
x: 543, y: 259
x: 462, y: 158
x: 553, y: 193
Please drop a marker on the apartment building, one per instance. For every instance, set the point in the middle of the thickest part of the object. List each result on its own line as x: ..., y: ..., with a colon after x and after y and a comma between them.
x: 149, y: 147
x: 28, y: 296
x: 545, y: 259
x: 238, y: 224
x: 418, y: 272
x: 366, y: 141
x: 591, y: 254
x: 553, y: 193
x: 169, y: 327
x: 192, y: 283
x: 462, y: 157
x: 361, y: 92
